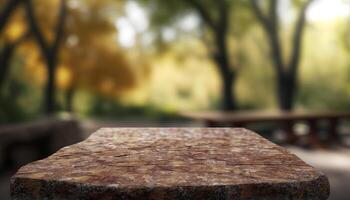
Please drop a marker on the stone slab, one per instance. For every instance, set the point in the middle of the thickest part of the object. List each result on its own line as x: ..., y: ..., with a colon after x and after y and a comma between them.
x: 171, y: 163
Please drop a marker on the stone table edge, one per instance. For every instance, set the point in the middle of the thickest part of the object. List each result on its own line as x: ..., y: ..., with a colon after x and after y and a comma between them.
x: 314, y: 183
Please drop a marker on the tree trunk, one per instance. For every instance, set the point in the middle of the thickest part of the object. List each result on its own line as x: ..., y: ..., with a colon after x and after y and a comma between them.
x: 6, y: 12
x: 69, y: 98
x: 287, y: 80
x: 49, y: 50
x: 226, y: 73
x: 50, y: 90
x: 5, y: 59
x: 228, y: 97
x: 286, y: 90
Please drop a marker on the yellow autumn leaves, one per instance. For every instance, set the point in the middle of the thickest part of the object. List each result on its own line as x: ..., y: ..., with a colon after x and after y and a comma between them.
x: 90, y: 57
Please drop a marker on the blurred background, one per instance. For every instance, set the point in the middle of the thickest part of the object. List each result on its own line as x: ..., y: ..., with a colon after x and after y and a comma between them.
x: 69, y: 67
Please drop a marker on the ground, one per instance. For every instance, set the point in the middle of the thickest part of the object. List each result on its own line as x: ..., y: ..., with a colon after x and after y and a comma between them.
x: 335, y: 164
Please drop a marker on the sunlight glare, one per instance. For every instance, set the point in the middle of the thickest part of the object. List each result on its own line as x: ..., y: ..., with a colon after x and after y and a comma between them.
x: 126, y: 32
x: 325, y: 10
x: 189, y: 23
x: 134, y: 22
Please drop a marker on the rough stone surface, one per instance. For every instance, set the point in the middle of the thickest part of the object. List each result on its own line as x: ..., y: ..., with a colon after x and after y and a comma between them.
x: 172, y: 163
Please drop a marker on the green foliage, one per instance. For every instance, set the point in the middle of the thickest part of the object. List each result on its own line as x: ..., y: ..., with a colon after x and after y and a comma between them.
x: 19, y: 100
x: 242, y: 19
x: 316, y: 95
x: 300, y: 3
x: 164, y: 13
x: 111, y: 109
x: 10, y: 111
x: 167, y: 13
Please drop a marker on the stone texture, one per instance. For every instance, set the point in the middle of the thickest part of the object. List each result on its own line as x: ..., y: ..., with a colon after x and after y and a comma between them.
x: 171, y: 163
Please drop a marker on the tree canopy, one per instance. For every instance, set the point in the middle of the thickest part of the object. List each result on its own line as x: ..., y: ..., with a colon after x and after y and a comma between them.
x: 86, y: 57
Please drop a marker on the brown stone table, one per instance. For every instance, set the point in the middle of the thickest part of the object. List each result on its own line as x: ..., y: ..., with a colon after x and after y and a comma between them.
x: 171, y: 163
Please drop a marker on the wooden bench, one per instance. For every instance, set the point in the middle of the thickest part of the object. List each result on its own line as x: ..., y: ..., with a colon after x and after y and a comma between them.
x: 42, y: 138
x: 171, y: 163
x: 286, y: 119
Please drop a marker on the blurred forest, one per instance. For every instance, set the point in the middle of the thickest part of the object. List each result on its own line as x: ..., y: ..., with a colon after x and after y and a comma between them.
x: 154, y: 58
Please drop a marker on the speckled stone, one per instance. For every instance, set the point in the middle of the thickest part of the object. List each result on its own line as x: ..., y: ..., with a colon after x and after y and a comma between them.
x: 171, y: 163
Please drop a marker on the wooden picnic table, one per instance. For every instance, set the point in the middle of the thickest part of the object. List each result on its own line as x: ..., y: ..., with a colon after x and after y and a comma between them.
x: 173, y: 164
x: 286, y: 119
